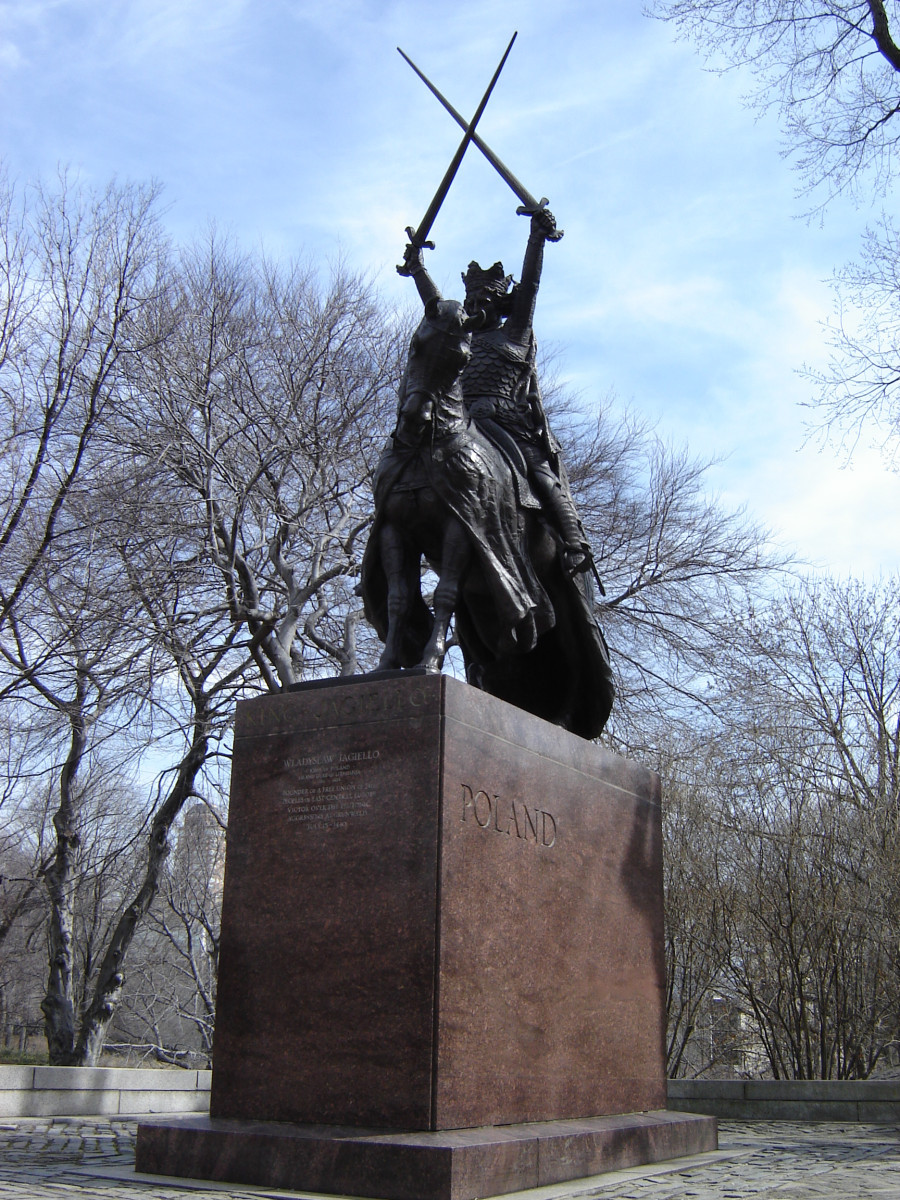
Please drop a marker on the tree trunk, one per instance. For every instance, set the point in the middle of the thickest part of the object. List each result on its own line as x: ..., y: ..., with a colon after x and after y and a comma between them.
x: 58, y: 1005
x: 111, y: 977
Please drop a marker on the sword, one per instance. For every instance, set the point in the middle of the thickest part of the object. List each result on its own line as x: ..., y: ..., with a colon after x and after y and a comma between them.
x: 418, y: 236
x: 529, y: 203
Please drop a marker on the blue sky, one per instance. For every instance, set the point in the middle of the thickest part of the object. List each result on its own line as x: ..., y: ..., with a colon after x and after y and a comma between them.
x: 686, y: 284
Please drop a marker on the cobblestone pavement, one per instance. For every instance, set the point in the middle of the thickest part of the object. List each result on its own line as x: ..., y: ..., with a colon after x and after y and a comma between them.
x: 92, y: 1157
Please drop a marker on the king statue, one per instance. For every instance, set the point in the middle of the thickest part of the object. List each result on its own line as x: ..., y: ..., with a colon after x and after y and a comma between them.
x: 472, y: 480
x: 500, y: 383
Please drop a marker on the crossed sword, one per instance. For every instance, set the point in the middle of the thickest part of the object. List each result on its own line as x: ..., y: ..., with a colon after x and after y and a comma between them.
x: 418, y: 237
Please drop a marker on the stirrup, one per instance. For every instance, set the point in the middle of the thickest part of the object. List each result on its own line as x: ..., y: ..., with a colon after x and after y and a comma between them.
x: 576, y: 559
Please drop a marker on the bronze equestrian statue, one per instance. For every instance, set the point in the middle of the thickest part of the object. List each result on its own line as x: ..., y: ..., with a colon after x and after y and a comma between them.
x: 500, y: 382
x: 472, y: 480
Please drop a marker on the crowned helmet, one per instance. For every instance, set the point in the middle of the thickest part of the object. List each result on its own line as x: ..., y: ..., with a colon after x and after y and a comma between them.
x: 490, y: 279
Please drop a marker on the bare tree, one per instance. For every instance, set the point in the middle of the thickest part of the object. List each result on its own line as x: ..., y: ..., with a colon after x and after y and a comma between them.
x: 859, y: 391
x: 265, y: 413
x: 203, y: 541
x: 69, y: 665
x: 697, y: 852
x: 21, y: 854
x: 169, y: 1007
x: 781, y: 858
x: 76, y: 271
x: 674, y: 561
x: 814, y: 785
x: 830, y: 67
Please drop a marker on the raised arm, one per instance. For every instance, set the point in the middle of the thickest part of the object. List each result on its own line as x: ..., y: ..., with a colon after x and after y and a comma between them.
x: 518, y: 323
x: 414, y: 266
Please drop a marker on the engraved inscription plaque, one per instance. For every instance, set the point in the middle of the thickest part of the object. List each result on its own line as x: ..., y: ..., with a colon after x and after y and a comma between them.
x: 508, y: 816
x: 322, y: 792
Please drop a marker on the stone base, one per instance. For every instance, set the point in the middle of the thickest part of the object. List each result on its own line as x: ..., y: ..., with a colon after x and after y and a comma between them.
x: 455, y: 1164
x: 441, y: 970
x: 440, y: 912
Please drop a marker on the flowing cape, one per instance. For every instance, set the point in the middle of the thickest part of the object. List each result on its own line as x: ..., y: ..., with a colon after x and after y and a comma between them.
x: 532, y: 641
x: 510, y: 608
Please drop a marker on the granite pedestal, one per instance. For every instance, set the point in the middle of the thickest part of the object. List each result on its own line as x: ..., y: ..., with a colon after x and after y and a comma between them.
x: 440, y: 914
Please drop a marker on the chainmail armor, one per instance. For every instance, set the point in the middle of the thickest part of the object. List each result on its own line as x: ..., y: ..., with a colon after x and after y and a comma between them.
x: 501, y: 370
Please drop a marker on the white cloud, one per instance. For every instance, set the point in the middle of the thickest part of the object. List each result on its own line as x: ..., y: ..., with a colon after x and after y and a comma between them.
x: 839, y: 520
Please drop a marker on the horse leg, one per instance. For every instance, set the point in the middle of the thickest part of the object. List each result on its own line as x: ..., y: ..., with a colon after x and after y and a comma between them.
x: 401, y: 567
x: 456, y: 553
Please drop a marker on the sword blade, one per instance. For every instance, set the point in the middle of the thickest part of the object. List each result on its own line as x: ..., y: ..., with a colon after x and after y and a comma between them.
x: 500, y: 167
x: 420, y: 235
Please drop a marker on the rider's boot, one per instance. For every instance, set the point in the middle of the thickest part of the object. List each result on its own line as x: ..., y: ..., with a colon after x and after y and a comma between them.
x: 575, y: 552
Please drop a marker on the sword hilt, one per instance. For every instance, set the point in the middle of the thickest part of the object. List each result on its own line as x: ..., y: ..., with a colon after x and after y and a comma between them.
x: 413, y: 240
x: 528, y: 210
x: 404, y: 268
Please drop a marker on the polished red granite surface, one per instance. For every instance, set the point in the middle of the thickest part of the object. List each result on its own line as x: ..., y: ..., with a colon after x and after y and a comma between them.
x: 551, y: 979
x: 453, y: 1165
x: 325, y: 1008
x: 439, y: 912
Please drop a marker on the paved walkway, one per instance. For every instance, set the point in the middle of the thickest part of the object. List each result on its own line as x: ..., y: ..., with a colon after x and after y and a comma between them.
x: 87, y: 1158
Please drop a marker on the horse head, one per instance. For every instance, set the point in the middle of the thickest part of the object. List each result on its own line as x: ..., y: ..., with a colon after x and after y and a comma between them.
x: 441, y: 346
x: 438, y: 352
x: 450, y: 317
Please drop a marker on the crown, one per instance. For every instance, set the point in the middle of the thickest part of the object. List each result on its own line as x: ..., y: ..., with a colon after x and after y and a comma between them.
x: 491, y: 279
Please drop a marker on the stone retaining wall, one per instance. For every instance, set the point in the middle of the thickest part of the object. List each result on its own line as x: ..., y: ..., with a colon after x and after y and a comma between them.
x: 875, y: 1100
x: 127, y: 1091
x: 100, y: 1091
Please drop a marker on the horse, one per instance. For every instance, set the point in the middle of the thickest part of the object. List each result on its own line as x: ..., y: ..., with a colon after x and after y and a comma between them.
x: 445, y: 492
